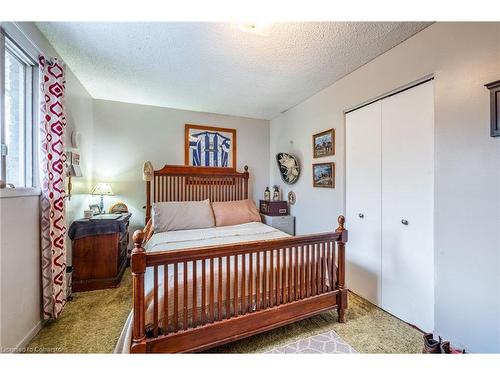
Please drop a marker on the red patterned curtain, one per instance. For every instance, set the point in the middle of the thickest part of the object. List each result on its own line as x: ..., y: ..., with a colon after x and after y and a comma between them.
x: 52, y: 158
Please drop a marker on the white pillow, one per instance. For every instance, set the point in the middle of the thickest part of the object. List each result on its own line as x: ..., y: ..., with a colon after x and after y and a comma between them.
x: 168, y: 216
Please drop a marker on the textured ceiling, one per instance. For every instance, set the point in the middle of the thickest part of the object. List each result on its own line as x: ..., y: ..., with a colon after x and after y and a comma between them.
x: 215, y: 67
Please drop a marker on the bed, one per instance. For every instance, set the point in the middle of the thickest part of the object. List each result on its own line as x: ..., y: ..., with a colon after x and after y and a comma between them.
x: 199, y: 288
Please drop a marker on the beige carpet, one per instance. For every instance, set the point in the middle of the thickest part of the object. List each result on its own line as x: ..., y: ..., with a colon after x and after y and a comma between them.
x: 92, y: 323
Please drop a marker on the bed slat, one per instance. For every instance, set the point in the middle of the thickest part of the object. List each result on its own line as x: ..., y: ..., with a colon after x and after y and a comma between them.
x: 325, y: 266
x: 176, y: 297
x: 264, y: 282
x: 303, y: 272
x: 279, y: 282
x: 250, y: 282
x: 334, y: 261
x: 313, y: 270
x: 155, y: 302
x: 203, y: 291
x: 165, y: 298
x: 212, y: 290
x: 228, y: 288
x: 195, y: 296
x: 243, y: 284
x: 283, y: 277
x: 271, y: 279
x: 185, y: 299
x: 329, y: 265
x: 257, y: 286
x: 235, y: 286
x: 219, y: 291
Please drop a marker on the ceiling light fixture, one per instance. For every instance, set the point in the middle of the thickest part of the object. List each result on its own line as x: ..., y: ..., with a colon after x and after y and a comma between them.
x: 258, y: 28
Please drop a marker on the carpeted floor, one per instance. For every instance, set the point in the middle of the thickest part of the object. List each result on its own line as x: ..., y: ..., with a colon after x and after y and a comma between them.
x: 92, y: 323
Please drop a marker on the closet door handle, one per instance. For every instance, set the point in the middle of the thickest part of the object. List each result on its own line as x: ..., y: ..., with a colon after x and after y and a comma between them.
x: 404, y: 221
x: 361, y: 216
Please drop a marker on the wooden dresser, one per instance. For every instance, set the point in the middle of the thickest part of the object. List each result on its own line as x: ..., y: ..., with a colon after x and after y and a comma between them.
x: 99, y: 249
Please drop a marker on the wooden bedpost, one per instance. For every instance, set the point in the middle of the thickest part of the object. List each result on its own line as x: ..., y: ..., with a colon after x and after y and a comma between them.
x: 246, y: 175
x: 342, y: 296
x: 138, y: 266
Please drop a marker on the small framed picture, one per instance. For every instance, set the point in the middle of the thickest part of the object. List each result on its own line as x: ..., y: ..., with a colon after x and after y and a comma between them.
x: 324, y: 143
x: 95, y: 209
x: 324, y: 175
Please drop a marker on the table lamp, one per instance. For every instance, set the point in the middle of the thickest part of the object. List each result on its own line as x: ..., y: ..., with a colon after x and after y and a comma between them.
x: 102, y: 189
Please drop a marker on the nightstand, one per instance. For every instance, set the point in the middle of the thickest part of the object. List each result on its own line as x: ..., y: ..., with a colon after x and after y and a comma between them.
x: 99, y: 252
x: 283, y: 223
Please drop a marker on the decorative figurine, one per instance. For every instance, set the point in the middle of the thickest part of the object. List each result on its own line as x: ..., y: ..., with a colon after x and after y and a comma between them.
x: 267, y: 194
x: 276, y: 193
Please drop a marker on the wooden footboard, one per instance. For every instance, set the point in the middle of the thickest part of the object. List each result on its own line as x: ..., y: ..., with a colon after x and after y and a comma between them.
x: 246, y: 288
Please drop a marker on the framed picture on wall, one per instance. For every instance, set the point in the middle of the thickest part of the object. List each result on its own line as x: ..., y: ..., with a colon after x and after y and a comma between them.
x: 324, y: 143
x: 208, y: 146
x: 324, y: 175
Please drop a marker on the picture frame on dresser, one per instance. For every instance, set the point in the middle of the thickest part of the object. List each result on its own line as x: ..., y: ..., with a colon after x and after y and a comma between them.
x: 96, y: 210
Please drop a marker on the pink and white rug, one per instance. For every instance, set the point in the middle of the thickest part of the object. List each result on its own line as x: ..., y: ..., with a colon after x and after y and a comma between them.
x: 324, y: 343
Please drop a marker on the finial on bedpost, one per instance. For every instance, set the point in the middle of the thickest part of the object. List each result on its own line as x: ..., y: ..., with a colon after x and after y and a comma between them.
x: 245, y: 168
x: 341, y: 221
x: 138, y: 238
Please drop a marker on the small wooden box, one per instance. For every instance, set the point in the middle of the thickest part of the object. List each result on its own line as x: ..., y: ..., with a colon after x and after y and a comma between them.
x: 273, y: 208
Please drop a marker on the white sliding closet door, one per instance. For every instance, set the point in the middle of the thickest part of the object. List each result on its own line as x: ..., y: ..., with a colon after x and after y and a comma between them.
x: 363, y: 201
x: 407, y: 205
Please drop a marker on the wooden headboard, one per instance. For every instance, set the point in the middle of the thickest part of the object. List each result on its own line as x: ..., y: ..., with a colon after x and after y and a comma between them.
x: 184, y: 183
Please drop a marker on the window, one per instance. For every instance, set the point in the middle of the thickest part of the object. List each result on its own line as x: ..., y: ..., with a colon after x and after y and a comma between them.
x: 17, y: 121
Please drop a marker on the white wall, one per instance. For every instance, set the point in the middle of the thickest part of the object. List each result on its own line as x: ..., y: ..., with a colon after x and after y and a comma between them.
x: 20, y: 225
x: 20, y: 273
x: 127, y: 135
x: 463, y: 57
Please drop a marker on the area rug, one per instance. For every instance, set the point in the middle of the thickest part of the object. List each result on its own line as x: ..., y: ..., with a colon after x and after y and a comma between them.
x: 324, y: 343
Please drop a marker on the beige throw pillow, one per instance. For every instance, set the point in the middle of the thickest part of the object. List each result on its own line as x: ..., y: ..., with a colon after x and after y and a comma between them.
x: 168, y: 216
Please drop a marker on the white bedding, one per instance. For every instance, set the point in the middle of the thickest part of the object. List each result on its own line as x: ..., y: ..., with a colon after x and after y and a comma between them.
x: 185, y: 239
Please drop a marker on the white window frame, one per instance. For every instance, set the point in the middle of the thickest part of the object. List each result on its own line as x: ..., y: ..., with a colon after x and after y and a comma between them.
x: 31, y: 97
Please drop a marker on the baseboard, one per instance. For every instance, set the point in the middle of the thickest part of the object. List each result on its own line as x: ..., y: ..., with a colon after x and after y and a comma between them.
x: 29, y: 336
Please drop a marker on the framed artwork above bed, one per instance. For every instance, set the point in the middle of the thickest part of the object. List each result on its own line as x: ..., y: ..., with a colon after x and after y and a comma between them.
x: 207, y: 146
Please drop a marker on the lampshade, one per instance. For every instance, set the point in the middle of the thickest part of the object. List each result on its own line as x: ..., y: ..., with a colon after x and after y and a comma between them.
x: 102, y: 188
